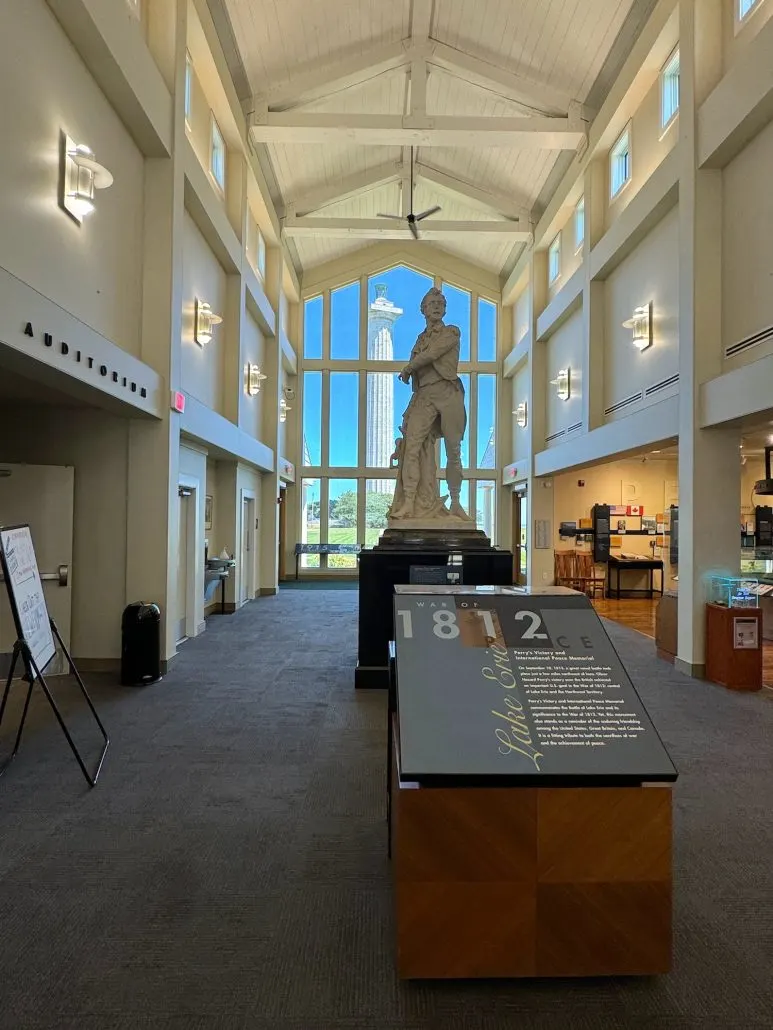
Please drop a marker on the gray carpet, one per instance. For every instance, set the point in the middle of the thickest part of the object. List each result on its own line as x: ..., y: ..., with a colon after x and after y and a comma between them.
x: 230, y: 869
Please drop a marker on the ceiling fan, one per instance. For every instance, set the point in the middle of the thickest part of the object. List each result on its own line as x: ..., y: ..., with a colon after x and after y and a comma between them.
x: 412, y: 219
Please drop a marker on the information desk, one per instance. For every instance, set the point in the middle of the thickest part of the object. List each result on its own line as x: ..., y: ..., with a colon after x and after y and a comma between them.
x: 621, y: 565
x: 530, y: 807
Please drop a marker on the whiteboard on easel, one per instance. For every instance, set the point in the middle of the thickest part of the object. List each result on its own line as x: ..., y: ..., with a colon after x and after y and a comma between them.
x: 25, y: 592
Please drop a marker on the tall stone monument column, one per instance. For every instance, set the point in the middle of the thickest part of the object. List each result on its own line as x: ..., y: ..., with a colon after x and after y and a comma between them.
x: 382, y: 315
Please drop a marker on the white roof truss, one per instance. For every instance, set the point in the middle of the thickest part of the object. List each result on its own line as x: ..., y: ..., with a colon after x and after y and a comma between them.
x: 386, y: 229
x: 345, y: 189
x: 323, y: 79
x: 494, y: 203
x: 419, y: 131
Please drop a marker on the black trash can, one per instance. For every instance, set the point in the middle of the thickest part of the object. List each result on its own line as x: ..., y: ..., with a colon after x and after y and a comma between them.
x: 140, y: 644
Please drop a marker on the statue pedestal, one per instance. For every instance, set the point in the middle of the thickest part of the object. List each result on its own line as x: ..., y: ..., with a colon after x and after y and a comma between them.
x: 439, y: 535
x: 453, y: 551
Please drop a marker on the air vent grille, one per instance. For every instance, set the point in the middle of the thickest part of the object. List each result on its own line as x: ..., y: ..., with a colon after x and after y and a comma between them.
x: 574, y: 428
x: 623, y: 403
x: 662, y: 385
x: 555, y: 436
x: 751, y: 341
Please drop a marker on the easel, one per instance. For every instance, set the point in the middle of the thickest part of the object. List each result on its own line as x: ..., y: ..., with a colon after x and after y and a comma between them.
x: 33, y: 672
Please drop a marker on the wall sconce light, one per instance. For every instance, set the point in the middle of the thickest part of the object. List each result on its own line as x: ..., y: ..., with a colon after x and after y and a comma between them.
x: 563, y: 383
x: 641, y: 324
x: 521, y: 415
x: 205, y: 321
x: 253, y: 377
x: 284, y: 407
x: 80, y: 174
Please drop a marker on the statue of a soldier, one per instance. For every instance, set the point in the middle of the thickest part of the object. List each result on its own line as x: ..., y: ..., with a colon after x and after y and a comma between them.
x: 436, y: 409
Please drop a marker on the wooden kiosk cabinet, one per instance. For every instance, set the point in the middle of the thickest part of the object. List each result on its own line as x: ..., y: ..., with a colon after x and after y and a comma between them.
x: 530, y: 801
x: 734, y: 647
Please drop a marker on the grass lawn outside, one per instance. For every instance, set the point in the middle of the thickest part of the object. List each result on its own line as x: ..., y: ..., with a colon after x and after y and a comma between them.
x: 338, y: 535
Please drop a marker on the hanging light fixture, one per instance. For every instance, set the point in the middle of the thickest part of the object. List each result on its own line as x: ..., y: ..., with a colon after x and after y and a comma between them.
x: 206, y: 320
x: 253, y: 377
x: 80, y: 175
x: 563, y: 383
x: 284, y: 407
x: 521, y: 415
x: 641, y: 325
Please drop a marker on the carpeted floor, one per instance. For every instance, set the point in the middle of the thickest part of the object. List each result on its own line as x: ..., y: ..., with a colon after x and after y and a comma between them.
x: 230, y: 870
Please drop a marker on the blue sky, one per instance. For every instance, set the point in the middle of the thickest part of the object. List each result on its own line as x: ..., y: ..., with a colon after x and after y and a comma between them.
x: 405, y: 288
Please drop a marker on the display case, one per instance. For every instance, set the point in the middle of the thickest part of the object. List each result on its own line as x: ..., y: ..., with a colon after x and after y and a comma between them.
x: 733, y: 591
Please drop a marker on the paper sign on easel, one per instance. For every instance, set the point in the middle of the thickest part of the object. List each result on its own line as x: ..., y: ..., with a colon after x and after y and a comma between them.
x: 25, y: 592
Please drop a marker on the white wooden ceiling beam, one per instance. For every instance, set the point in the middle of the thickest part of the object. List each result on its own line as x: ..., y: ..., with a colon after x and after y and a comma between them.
x: 489, y: 200
x: 418, y: 86
x: 539, y: 98
x: 421, y: 20
x: 322, y: 78
x: 384, y: 229
x: 345, y: 189
x: 396, y: 131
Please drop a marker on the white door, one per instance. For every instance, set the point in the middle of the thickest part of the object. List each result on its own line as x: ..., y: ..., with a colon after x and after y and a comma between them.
x: 42, y: 497
x: 182, y: 568
x: 248, y: 552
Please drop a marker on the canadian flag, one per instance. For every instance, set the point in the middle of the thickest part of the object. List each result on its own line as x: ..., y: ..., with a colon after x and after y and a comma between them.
x: 635, y: 509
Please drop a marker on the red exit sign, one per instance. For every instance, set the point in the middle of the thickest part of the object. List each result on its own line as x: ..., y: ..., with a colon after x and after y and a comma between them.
x: 178, y: 401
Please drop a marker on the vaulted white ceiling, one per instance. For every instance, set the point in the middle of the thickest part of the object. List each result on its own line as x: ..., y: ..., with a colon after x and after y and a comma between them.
x: 489, y: 93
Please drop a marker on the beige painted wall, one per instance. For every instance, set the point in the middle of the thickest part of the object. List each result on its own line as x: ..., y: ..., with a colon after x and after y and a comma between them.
x: 649, y: 147
x: 654, y: 482
x: 521, y: 316
x: 203, y: 367
x: 520, y: 392
x: 95, y: 444
x: 564, y: 350
x: 92, y: 270
x: 747, y: 253
x: 253, y: 351
x: 650, y: 273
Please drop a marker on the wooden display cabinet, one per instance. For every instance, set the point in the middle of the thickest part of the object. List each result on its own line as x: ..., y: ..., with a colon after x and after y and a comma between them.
x: 734, y: 647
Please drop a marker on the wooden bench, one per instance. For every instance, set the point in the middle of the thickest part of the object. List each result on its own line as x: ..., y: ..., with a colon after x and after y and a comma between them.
x: 323, y: 549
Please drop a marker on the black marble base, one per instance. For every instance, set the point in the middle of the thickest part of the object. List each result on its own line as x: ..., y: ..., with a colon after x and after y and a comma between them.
x: 389, y: 563
x: 446, y: 538
x: 371, y: 678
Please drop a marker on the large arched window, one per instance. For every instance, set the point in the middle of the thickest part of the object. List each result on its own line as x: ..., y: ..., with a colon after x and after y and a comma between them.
x: 357, y: 337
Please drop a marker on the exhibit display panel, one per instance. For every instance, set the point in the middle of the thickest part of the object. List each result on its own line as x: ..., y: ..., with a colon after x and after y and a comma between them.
x: 531, y: 812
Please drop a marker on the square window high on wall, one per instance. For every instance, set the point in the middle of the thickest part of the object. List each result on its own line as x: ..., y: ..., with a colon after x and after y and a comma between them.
x: 669, y: 90
x: 188, y: 90
x: 620, y: 163
x: 554, y: 259
x: 579, y: 224
x: 261, y: 255
x: 745, y: 7
x: 217, y: 156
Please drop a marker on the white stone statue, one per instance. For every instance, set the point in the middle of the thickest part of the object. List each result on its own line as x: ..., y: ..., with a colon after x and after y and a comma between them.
x: 436, y: 409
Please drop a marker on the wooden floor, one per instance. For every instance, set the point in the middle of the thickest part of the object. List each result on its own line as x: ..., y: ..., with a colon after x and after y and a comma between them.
x: 640, y: 615
x: 636, y: 614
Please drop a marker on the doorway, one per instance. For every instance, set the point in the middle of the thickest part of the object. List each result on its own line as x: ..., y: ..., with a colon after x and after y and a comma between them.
x: 247, y: 581
x: 520, y: 542
x: 184, y: 508
x: 42, y: 497
x: 282, y: 530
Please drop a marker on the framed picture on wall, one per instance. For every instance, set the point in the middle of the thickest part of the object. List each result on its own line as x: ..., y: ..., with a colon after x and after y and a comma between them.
x: 208, y: 512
